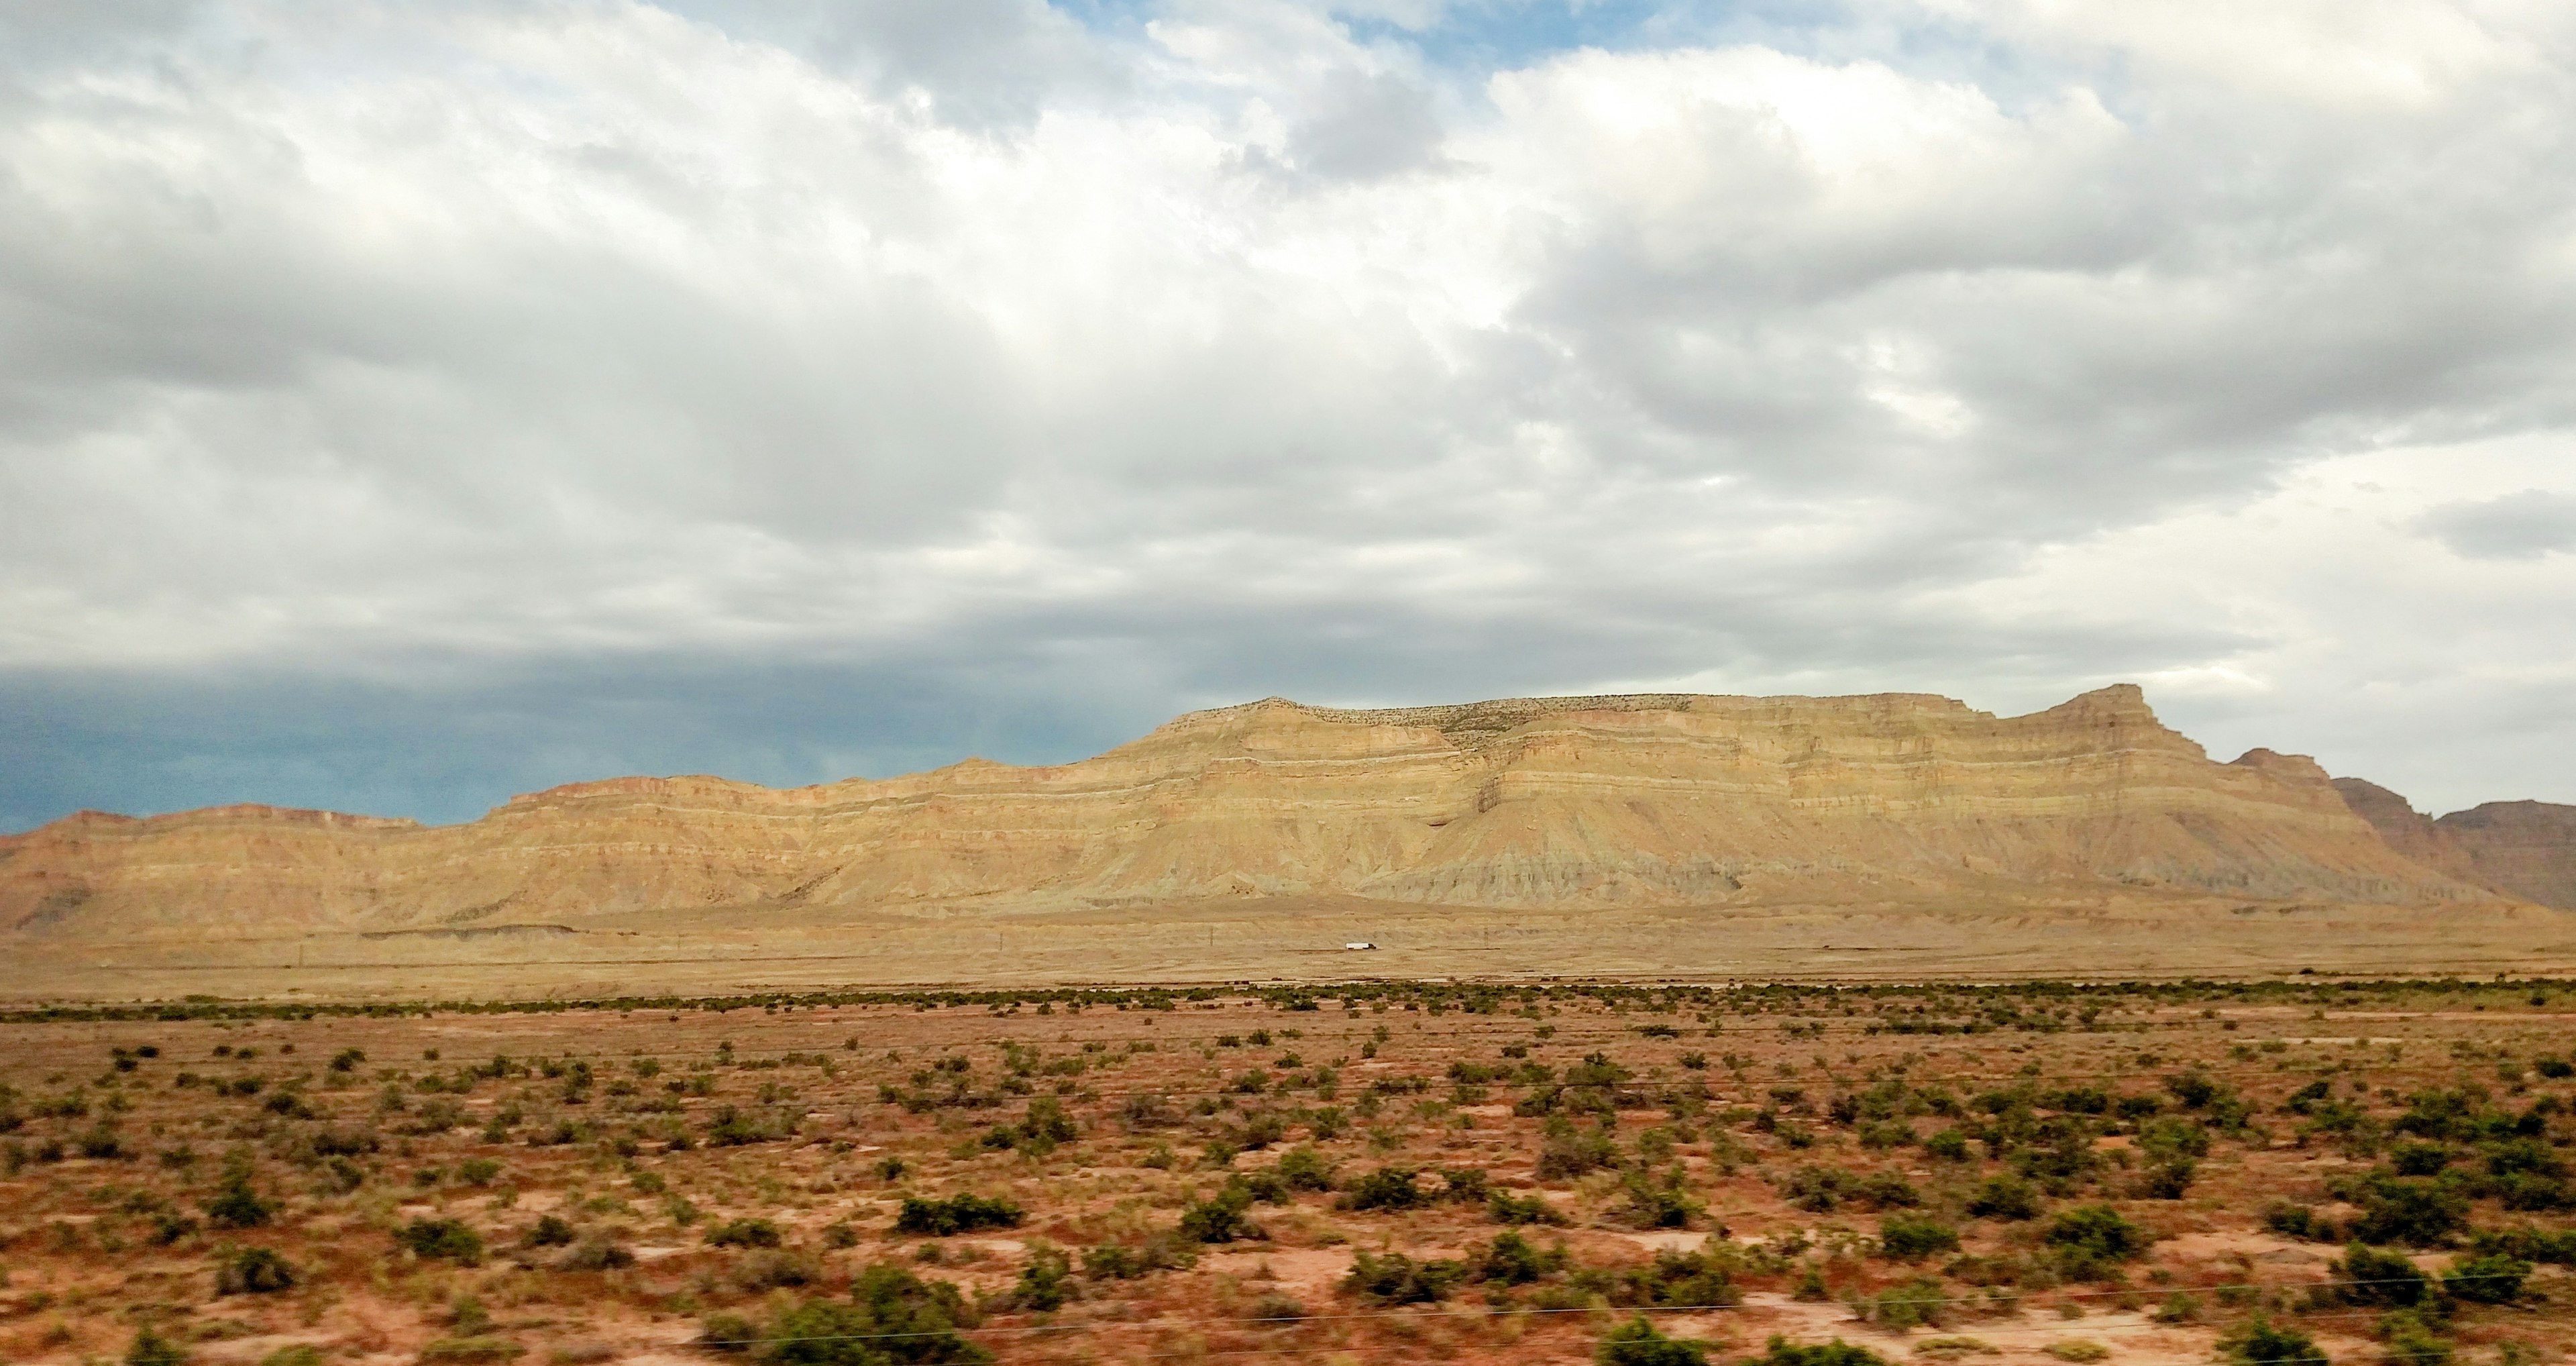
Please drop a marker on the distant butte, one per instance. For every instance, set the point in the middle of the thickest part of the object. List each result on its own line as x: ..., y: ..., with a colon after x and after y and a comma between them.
x: 1547, y: 803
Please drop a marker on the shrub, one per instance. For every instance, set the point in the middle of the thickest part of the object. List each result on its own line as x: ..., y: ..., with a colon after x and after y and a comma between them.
x: 1387, y: 1188
x: 1835, y: 1353
x: 1046, y: 1281
x: 2077, y: 1350
x: 1697, y: 1279
x: 2418, y: 1213
x: 1219, y: 1219
x: 1911, y: 1238
x: 1162, y: 1252
x: 478, y: 1171
x: 2487, y: 1278
x: 2090, y: 1238
x: 1659, y: 1203
x: 1511, y: 1260
x: 2258, y: 1343
x: 744, y: 1233
x: 1636, y: 1343
x: 1530, y: 1209
x: 1276, y: 1308
x: 2296, y: 1221
x: 956, y: 1214
x: 551, y: 1231
x: 1303, y: 1168
x: 1567, y: 1152
x: 237, y: 1205
x: 2419, y: 1159
x: 731, y: 1128
x: 441, y: 1238
x: 727, y: 1333
x: 1900, y: 1308
x: 2412, y: 1341
x: 595, y: 1254
x: 2005, y: 1197
x: 152, y: 1349
x: 894, y: 1317
x: 2374, y: 1277
x: 1398, y: 1279
x: 1817, y: 1190
x: 301, y: 1354
x: 253, y: 1271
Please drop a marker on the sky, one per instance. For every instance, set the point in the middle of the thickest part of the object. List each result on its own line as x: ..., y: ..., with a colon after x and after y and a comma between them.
x: 403, y: 406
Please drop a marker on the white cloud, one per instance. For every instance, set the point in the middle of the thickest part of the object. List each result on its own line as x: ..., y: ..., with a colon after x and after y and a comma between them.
x: 1256, y: 356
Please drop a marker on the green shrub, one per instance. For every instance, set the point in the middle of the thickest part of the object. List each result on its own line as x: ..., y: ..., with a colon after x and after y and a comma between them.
x: 2005, y: 1197
x: 2257, y: 1343
x: 1900, y: 1308
x: 1219, y: 1219
x: 1911, y: 1238
x: 894, y: 1317
x: 237, y: 1204
x: 152, y: 1349
x: 1636, y: 1343
x: 2089, y: 1239
x: 1304, y: 1168
x: 2487, y: 1278
x: 744, y: 1233
x: 1663, y: 1202
x: 301, y: 1354
x: 1046, y: 1281
x: 1505, y: 1208
x: 1387, y: 1188
x: 442, y: 1238
x: 2417, y: 1213
x: 1782, y: 1352
x: 1398, y: 1279
x: 2371, y: 1276
x: 1701, y: 1279
x: 729, y: 1127
x: 2412, y: 1340
x: 551, y: 1231
x: 2419, y: 1159
x: 253, y: 1271
x: 728, y: 1333
x: 956, y: 1214
x: 1511, y: 1260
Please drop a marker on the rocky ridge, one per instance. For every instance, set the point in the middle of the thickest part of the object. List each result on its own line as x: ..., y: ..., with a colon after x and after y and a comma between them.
x: 1668, y: 800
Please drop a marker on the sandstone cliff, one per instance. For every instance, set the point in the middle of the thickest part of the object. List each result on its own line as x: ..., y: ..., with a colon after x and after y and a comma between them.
x: 2521, y: 849
x: 1554, y: 802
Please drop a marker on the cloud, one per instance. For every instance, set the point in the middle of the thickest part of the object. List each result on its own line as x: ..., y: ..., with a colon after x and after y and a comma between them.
x: 2516, y: 526
x: 1095, y: 362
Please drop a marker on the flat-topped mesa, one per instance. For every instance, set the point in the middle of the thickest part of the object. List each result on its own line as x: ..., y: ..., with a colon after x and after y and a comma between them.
x: 1641, y: 800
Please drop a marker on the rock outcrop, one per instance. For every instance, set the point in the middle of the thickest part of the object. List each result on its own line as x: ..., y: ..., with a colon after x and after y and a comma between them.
x: 2521, y: 849
x: 1553, y: 802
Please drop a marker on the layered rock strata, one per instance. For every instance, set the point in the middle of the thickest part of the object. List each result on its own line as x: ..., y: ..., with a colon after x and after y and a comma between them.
x: 1553, y: 802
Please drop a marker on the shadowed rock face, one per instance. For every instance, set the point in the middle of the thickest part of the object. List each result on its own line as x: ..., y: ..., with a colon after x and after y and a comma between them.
x: 2523, y: 849
x: 1552, y: 802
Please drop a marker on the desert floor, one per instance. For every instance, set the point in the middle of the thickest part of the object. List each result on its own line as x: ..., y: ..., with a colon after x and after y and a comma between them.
x: 2029, y: 1173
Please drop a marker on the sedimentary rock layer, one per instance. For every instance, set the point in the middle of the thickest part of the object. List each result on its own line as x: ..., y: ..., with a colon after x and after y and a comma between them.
x: 1556, y: 802
x: 2522, y: 849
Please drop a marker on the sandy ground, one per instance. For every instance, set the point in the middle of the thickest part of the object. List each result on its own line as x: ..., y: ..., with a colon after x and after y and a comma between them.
x: 1300, y: 940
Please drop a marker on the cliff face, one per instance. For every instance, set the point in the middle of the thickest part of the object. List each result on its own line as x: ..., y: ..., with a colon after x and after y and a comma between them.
x: 1600, y: 801
x: 2522, y: 849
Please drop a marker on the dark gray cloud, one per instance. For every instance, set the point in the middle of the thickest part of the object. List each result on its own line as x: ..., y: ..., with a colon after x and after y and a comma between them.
x: 528, y: 379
